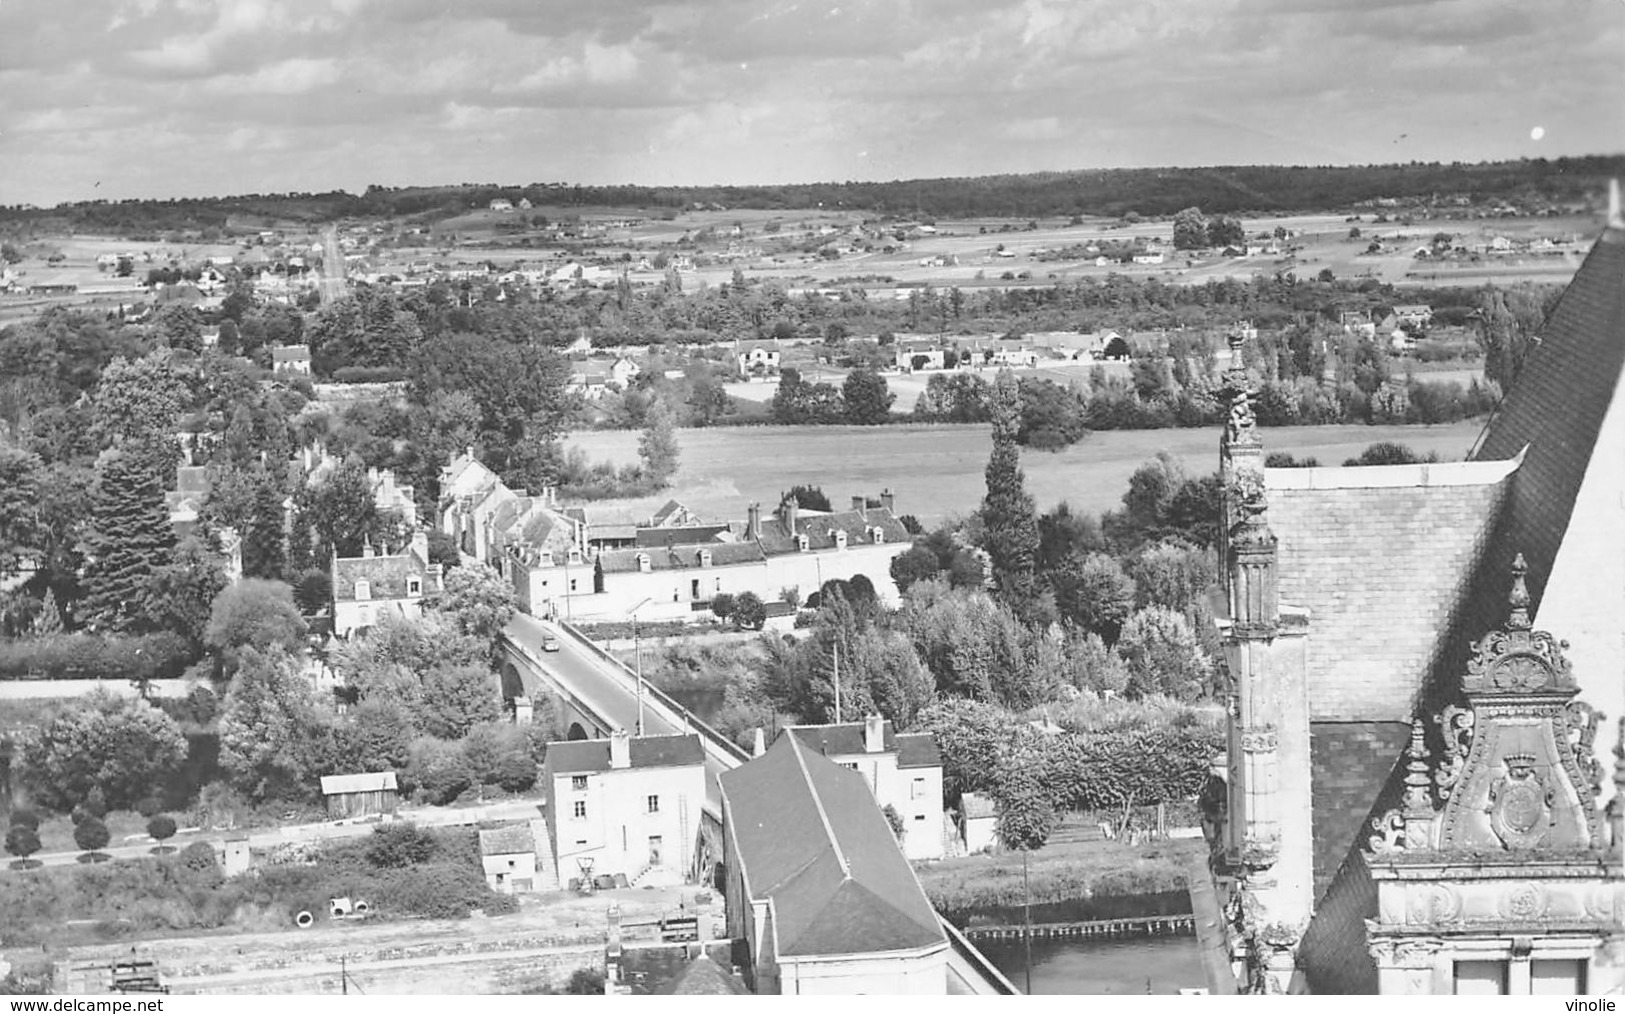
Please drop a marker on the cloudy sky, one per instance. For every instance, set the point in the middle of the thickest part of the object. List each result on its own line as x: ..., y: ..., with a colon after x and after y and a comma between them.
x: 163, y: 98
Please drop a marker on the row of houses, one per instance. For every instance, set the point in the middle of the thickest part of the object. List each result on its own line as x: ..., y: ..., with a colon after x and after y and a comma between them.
x: 670, y: 566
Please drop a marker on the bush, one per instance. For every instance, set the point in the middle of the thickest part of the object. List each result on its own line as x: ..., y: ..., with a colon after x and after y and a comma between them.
x: 91, y: 834
x: 586, y: 982
x: 393, y: 846
x: 501, y: 904
x: 149, y: 806
x: 22, y: 841
x: 94, y: 657
x: 199, y: 857
x: 161, y: 828
x: 24, y: 818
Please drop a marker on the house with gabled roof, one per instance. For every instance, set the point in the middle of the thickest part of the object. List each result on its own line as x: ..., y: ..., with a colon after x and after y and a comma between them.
x: 627, y: 805
x: 818, y: 891
x: 1416, y: 796
x: 902, y: 769
x: 368, y: 587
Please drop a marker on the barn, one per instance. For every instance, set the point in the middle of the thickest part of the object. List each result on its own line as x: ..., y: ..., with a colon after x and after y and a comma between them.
x: 362, y: 795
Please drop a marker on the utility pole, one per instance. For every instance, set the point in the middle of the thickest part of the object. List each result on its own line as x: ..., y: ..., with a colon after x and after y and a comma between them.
x: 837, y: 647
x: 1027, y: 920
x: 637, y: 654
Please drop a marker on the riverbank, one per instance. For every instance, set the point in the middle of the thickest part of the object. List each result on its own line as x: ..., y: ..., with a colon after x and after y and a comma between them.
x: 1071, y: 878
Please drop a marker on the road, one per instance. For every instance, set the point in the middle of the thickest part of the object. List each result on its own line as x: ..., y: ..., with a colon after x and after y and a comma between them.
x: 603, y: 688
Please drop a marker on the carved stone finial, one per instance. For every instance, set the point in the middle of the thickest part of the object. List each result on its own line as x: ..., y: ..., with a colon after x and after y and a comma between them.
x: 1518, y: 600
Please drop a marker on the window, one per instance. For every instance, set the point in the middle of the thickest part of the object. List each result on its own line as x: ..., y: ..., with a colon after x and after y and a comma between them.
x: 1557, y: 977
x: 572, y: 584
x: 654, y: 804
x: 363, y: 590
x: 917, y: 790
x: 581, y: 809
x: 919, y: 816
x: 1481, y: 978
x: 578, y: 782
x: 414, y: 586
x: 851, y: 764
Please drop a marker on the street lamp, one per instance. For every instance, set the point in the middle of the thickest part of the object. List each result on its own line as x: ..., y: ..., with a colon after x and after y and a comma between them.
x: 637, y: 655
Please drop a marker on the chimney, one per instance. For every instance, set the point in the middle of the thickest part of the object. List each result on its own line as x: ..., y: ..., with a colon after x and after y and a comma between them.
x: 787, y: 514
x: 874, y: 734
x: 859, y: 501
x: 888, y: 501
x: 620, y: 750
x: 758, y: 743
x: 753, y: 522
x: 366, y: 548
x: 420, y: 545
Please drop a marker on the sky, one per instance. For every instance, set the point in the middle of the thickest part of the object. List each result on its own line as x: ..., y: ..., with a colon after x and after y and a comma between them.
x: 174, y: 98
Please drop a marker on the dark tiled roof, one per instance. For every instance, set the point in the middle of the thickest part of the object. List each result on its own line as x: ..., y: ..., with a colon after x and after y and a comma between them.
x: 508, y: 840
x: 385, y: 575
x: 192, y: 479
x: 1382, y: 562
x: 687, y: 535
x: 913, y: 749
x: 812, y: 839
x: 290, y: 353
x: 586, y: 755
x: 723, y: 554
x: 1556, y: 407
x: 820, y: 530
x: 704, y: 977
x: 1350, y: 763
x: 667, y: 510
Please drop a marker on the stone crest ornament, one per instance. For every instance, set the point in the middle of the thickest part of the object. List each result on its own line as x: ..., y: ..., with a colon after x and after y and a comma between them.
x: 1516, y: 772
x: 1520, y: 804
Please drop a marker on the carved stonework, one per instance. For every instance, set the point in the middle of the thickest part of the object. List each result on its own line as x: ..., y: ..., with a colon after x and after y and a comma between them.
x: 1520, y: 804
x: 1259, y: 740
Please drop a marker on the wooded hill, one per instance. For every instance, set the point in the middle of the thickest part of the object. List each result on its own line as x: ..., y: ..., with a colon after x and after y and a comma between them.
x: 1529, y: 184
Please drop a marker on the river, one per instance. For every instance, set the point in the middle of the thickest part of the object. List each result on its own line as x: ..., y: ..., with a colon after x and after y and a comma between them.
x: 1161, y: 965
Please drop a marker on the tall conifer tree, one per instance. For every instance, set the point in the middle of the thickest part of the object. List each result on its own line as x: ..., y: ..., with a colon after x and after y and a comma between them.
x: 127, y: 543
x: 1008, y: 514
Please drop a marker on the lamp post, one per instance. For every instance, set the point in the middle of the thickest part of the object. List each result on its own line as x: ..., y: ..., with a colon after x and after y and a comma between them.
x: 637, y: 655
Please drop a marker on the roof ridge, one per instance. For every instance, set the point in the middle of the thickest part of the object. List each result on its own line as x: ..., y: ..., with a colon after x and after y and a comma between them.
x: 818, y: 802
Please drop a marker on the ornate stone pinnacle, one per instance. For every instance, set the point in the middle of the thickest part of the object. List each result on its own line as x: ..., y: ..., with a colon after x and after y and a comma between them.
x: 1518, y: 618
x: 1418, y: 802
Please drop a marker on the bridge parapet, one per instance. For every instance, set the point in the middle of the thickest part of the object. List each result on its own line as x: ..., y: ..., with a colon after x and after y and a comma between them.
x: 715, y: 742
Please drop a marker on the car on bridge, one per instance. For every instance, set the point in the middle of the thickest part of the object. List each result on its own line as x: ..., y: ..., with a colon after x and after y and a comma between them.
x: 550, y: 642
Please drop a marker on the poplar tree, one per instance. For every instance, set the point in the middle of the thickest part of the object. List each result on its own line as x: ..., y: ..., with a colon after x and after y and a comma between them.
x: 127, y: 544
x: 1009, y: 518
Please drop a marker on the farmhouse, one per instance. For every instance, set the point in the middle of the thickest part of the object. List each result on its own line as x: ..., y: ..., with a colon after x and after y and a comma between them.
x: 918, y: 354
x: 508, y: 856
x: 757, y: 357
x: 363, y: 795
x: 294, y: 359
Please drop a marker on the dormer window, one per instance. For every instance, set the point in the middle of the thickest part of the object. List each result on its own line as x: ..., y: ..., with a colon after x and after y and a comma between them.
x: 840, y: 539
x: 801, y: 543
x: 363, y: 590
x: 705, y: 558
x: 643, y: 563
x: 414, y: 587
x: 575, y: 557
x: 880, y: 535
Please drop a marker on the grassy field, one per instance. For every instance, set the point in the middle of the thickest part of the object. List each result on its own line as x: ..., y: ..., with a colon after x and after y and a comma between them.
x: 936, y: 470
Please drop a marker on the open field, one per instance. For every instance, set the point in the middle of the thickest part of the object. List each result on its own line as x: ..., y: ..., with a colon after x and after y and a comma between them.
x: 936, y: 470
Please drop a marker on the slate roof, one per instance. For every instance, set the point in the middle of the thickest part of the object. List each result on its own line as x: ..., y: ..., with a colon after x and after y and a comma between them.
x: 704, y: 977
x: 687, y: 535
x: 583, y: 756
x: 192, y: 479
x: 290, y: 353
x: 1349, y: 764
x: 1383, y: 557
x: 506, y: 841
x: 667, y: 511
x: 812, y: 841
x: 385, y: 575
x: 974, y: 806
x: 913, y: 749
x: 723, y: 554
x: 820, y: 529
x: 1557, y: 408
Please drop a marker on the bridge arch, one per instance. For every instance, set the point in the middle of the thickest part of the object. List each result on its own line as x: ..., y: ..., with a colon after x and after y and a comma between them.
x: 513, y: 685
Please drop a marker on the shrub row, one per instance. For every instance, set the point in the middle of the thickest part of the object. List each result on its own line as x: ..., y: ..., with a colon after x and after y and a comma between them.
x: 93, y: 656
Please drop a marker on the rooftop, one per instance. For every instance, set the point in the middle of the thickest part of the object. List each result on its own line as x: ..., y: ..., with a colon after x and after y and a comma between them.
x: 580, y: 756
x: 812, y: 840
x: 508, y: 840
x: 913, y: 749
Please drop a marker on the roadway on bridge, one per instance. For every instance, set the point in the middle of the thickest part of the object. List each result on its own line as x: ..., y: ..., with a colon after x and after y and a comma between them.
x: 602, y: 687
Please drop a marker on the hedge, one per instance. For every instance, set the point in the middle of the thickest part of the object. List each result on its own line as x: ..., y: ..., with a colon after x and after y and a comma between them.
x: 92, y: 656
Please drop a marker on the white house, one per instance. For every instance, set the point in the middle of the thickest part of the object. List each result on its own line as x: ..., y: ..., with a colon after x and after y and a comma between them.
x: 904, y: 771
x: 291, y: 359
x: 625, y: 805
x: 757, y: 357
x: 372, y: 585
x: 508, y: 855
x: 817, y: 888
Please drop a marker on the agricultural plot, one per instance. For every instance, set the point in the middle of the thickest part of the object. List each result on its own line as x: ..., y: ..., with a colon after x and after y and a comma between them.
x: 937, y: 470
